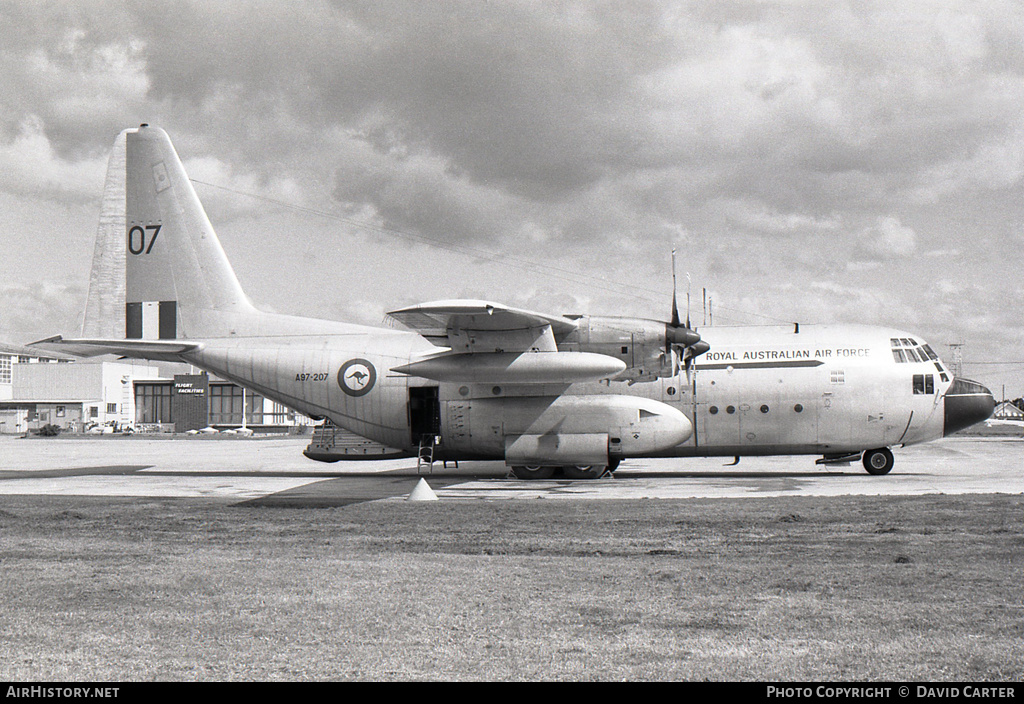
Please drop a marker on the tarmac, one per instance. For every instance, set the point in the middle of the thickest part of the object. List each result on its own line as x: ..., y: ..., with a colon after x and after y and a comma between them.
x: 272, y: 471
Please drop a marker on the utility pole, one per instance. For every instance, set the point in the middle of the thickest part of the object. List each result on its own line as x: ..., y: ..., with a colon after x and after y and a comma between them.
x: 956, y: 351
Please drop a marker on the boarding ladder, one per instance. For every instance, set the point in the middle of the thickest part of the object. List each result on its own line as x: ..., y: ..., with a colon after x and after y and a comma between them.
x: 425, y: 457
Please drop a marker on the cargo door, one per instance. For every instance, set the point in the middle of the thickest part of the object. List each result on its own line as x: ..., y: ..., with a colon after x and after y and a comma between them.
x: 424, y: 413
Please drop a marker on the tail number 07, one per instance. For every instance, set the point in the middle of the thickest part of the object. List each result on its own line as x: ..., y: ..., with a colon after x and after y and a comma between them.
x: 141, y: 241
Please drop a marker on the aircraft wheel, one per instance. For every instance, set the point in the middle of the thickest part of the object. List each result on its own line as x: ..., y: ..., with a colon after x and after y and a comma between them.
x: 613, y: 465
x: 878, y: 461
x: 533, y: 472
x: 583, y: 471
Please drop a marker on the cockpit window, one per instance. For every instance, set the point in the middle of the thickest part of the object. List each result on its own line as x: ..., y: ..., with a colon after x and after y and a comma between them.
x: 924, y: 384
x: 907, y: 350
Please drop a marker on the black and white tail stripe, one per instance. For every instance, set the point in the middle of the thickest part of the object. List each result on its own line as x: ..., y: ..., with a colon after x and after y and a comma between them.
x: 151, y: 320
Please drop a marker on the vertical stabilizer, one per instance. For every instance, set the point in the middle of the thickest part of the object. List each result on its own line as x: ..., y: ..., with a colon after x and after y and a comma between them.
x: 104, y: 307
x: 158, y: 270
x: 178, y: 282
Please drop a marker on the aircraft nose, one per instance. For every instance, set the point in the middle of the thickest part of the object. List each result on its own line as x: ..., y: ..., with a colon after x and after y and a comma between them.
x: 966, y: 403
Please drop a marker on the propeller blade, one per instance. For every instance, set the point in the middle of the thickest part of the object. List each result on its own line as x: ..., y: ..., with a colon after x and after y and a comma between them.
x: 675, y: 308
x: 687, y: 299
x: 691, y: 353
x: 682, y: 342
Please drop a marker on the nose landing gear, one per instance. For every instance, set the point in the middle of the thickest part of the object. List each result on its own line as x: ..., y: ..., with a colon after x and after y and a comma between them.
x: 878, y: 461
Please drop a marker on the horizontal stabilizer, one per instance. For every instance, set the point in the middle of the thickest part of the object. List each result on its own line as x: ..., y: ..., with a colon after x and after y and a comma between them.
x: 161, y: 350
x: 515, y: 368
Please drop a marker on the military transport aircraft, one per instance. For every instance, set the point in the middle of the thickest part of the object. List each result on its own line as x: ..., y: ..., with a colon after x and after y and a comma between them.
x: 469, y: 379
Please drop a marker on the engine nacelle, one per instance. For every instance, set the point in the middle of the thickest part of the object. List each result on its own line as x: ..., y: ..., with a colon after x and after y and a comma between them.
x: 563, y: 430
x: 643, y: 345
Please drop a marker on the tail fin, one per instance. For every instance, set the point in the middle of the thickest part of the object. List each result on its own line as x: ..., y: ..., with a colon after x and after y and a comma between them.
x: 104, y: 307
x: 176, y: 281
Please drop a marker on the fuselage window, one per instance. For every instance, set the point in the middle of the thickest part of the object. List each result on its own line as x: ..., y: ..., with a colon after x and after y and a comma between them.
x: 798, y: 408
x: 713, y: 410
x: 730, y: 409
x: 764, y: 408
x: 899, y: 356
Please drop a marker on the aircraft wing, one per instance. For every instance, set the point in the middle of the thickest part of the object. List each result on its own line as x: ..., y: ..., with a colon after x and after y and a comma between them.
x: 488, y: 342
x: 482, y: 326
x: 161, y: 350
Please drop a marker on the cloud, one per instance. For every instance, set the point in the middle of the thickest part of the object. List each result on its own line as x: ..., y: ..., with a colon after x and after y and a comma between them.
x: 75, y: 83
x: 887, y: 238
x: 777, y: 145
x: 38, y: 309
x: 29, y: 165
x: 421, y: 193
x: 997, y: 164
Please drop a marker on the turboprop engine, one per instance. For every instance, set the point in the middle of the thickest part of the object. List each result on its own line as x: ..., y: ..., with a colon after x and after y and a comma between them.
x: 647, y: 347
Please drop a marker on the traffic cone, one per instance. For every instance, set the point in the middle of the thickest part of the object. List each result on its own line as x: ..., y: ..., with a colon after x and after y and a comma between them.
x: 422, y: 492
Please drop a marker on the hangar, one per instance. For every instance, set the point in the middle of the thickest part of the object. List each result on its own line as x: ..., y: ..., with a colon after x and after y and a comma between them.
x: 195, y: 401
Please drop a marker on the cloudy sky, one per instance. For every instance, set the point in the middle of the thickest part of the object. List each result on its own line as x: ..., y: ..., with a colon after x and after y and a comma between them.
x: 810, y: 161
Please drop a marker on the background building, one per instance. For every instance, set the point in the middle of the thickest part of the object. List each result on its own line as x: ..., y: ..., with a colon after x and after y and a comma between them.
x: 195, y: 401
x: 11, y: 355
x: 74, y: 397
x: 1008, y: 411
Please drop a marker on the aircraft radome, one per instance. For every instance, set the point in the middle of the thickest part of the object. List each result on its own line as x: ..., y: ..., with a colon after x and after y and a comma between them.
x: 478, y: 380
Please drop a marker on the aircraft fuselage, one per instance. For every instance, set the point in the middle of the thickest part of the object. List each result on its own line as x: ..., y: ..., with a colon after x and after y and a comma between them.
x: 812, y: 389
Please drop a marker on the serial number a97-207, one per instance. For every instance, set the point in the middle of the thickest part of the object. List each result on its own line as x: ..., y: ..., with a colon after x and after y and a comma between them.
x: 317, y: 376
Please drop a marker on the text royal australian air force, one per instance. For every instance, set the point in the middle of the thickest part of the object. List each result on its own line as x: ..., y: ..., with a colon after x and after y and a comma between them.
x: 795, y: 356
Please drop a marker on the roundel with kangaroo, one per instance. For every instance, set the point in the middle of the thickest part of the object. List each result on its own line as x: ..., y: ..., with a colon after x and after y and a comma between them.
x: 356, y: 377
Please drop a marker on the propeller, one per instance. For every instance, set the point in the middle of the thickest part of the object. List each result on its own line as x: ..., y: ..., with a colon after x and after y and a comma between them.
x: 682, y: 338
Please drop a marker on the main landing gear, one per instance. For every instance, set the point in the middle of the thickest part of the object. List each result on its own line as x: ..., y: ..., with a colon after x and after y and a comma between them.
x: 878, y: 461
x: 575, y: 471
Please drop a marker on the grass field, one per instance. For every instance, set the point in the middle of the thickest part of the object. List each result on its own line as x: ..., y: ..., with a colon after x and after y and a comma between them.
x: 858, y: 588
